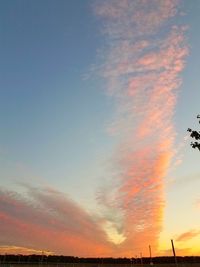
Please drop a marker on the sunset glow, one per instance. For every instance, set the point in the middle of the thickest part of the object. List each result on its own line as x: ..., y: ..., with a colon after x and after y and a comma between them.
x: 96, y: 99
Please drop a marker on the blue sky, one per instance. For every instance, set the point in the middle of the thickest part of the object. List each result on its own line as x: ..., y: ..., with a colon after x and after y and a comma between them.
x: 52, y: 118
x: 62, y: 128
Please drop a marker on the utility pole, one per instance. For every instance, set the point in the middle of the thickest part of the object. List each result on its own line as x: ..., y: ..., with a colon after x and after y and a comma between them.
x: 151, y: 262
x: 174, y: 253
x: 141, y: 260
x: 135, y: 259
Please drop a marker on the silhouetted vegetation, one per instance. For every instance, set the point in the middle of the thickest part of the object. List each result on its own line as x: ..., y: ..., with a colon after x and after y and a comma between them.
x: 54, y: 259
x: 195, y: 135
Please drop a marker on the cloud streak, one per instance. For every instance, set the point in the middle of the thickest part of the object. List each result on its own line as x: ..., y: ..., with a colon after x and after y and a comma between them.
x: 145, y: 54
x: 187, y: 235
x: 47, y: 220
x: 22, y: 251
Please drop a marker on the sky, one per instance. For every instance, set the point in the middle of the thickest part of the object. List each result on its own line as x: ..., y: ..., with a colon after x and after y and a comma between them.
x: 95, y: 100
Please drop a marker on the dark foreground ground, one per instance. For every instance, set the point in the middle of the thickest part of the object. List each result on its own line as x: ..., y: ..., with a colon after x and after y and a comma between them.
x: 180, y: 264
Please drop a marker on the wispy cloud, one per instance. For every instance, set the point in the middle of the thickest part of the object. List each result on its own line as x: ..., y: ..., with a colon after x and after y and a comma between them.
x: 49, y: 221
x: 187, y: 235
x: 143, y: 59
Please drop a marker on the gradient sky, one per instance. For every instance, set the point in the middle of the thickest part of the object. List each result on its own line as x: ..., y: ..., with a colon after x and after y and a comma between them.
x: 95, y: 100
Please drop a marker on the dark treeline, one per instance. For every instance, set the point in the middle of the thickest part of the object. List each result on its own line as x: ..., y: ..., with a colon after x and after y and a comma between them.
x: 70, y: 259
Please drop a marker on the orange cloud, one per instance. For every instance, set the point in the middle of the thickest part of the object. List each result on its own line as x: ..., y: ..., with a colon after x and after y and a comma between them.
x: 142, y: 68
x: 187, y: 235
x: 51, y: 222
x: 22, y: 250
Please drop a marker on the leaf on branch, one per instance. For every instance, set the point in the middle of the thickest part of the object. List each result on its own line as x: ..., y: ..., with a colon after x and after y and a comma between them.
x: 195, y: 145
x: 195, y: 135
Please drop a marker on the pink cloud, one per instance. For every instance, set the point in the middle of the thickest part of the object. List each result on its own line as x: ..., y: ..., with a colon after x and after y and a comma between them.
x: 142, y: 69
x: 48, y: 220
x: 146, y: 16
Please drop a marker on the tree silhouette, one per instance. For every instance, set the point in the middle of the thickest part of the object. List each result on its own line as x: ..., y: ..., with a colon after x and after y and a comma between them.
x: 196, y: 135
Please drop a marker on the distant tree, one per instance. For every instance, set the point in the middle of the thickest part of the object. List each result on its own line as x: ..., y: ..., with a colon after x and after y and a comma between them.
x: 196, y: 135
